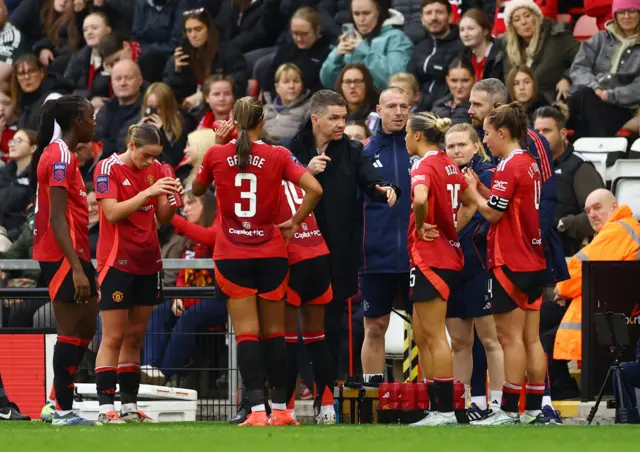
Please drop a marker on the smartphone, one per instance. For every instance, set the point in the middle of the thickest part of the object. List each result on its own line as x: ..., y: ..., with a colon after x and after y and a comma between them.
x: 151, y: 111
x: 349, y: 30
x: 185, y: 44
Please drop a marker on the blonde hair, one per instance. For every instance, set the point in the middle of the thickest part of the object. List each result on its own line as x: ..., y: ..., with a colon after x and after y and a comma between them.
x: 431, y: 126
x: 168, y: 108
x: 199, y: 143
x: 247, y: 114
x: 286, y: 67
x: 143, y: 135
x: 405, y: 77
x: 310, y: 15
x: 473, y: 137
x: 517, y: 50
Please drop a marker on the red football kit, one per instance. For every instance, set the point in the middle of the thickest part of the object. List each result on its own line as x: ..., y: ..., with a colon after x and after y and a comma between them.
x: 58, y: 167
x: 515, y: 240
x: 131, y: 245
x: 445, y: 183
x: 248, y: 202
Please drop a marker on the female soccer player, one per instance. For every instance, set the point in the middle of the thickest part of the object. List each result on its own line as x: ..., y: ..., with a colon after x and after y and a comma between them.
x: 516, y: 261
x: 436, y: 188
x: 61, y: 241
x: 132, y: 194
x: 250, y: 253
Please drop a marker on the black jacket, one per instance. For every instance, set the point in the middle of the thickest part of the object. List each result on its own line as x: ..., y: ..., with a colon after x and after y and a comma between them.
x: 228, y: 61
x: 459, y: 114
x: 173, y: 150
x: 78, y: 73
x: 259, y: 26
x: 430, y: 63
x: 30, y: 104
x: 309, y: 61
x: 157, y: 31
x: 16, y: 196
x: 493, y: 65
x: 348, y: 173
x: 112, y: 124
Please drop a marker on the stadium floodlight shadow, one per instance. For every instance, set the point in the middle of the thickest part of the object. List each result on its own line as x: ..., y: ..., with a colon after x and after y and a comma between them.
x: 611, y: 331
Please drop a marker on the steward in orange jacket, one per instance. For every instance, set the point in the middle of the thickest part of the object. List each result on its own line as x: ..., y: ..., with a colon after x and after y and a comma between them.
x: 617, y: 239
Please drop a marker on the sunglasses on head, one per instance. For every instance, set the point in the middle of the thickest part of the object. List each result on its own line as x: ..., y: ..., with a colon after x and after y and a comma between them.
x: 193, y: 12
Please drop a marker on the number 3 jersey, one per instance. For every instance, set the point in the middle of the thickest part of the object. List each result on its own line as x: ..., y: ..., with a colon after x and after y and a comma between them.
x: 249, y: 200
x: 445, y: 183
x: 515, y: 239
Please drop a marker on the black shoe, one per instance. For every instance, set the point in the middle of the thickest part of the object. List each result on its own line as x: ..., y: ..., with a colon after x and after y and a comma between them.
x: 374, y: 382
x: 476, y: 414
x: 243, y: 412
x: 12, y: 413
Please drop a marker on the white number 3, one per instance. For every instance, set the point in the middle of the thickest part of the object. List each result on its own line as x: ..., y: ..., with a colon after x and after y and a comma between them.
x: 247, y: 194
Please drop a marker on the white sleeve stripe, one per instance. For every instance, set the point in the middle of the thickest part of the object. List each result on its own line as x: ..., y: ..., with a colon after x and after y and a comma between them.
x: 65, y: 155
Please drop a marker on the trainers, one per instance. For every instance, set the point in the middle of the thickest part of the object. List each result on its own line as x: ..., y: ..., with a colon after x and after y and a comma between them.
x: 243, y: 412
x: 150, y: 375
x: 548, y: 416
x: 136, y: 417
x: 433, y: 418
x: 46, y: 415
x: 71, y: 418
x: 12, y: 413
x: 498, y: 417
x: 281, y: 417
x: 475, y: 413
x: 374, y: 382
x: 111, y: 417
x: 256, y: 419
x: 326, y: 416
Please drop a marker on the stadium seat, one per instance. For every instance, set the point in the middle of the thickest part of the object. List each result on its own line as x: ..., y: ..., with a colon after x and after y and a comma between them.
x: 625, y: 175
x: 586, y: 27
x: 596, y: 150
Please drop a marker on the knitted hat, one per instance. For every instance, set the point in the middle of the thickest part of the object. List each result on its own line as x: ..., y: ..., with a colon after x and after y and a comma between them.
x: 622, y: 5
x: 535, y: 9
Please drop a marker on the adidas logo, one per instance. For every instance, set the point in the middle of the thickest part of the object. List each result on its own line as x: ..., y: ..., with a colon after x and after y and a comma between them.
x: 126, y: 182
x: 559, y: 171
x: 377, y: 164
x: 487, y: 306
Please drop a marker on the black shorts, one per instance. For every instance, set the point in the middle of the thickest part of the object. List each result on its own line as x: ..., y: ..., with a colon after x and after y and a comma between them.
x: 439, y: 284
x: 58, y: 277
x: 310, y: 282
x: 510, y: 290
x: 382, y: 291
x: 470, y: 298
x: 240, y: 278
x: 121, y: 290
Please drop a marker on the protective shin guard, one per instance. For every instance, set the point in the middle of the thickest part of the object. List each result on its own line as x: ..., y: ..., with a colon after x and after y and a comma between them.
x: 67, y: 354
x: 291, y: 341
x: 277, y: 366
x: 443, y: 390
x: 251, y: 366
x: 322, y: 364
x: 106, y: 381
x: 129, y: 380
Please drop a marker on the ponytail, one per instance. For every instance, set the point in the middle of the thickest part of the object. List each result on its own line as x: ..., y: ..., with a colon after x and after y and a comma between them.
x: 243, y: 148
x: 247, y: 114
x: 45, y: 135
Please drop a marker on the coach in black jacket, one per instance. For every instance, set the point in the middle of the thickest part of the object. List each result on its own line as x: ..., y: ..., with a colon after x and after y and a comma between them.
x: 342, y: 169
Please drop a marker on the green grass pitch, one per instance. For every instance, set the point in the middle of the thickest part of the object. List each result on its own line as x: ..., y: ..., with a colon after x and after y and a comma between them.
x: 206, y: 437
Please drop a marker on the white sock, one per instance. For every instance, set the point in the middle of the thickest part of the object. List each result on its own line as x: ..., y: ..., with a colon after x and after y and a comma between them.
x: 496, y: 398
x: 367, y: 377
x: 481, y: 401
x: 258, y: 408
x: 546, y: 401
x: 129, y: 408
x: 104, y: 409
x: 326, y: 409
x: 63, y: 412
x: 279, y: 406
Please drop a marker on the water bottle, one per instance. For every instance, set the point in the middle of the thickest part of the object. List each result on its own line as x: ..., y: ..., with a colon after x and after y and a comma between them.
x: 175, y: 199
x: 422, y: 396
x: 459, y: 403
x: 408, y: 396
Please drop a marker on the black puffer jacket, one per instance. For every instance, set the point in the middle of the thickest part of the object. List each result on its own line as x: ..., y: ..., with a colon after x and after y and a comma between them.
x: 258, y: 26
x: 495, y: 60
x: 16, y: 196
x: 113, y: 121
x: 78, y: 73
x: 30, y: 104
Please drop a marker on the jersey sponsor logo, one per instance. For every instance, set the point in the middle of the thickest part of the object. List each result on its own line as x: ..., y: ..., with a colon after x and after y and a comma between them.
x: 249, y: 233
x: 102, y: 184
x: 117, y: 296
x: 536, y: 241
x: 454, y: 244
x: 418, y: 178
x: 307, y: 235
x: 59, y: 172
x: 83, y: 194
x: 500, y: 185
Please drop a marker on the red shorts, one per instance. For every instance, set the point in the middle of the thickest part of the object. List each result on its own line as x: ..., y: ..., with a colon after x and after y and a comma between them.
x: 240, y: 278
x: 509, y: 290
x: 310, y: 282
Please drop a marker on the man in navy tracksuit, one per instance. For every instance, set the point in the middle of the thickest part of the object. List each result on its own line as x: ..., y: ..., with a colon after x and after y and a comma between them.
x: 384, y: 274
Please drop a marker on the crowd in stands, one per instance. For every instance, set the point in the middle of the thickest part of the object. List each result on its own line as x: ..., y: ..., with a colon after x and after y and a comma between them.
x: 181, y: 64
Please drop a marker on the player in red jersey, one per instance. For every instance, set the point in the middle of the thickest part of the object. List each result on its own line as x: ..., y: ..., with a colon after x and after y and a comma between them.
x: 436, y: 260
x: 250, y: 253
x: 516, y: 260
x: 132, y: 194
x: 61, y: 241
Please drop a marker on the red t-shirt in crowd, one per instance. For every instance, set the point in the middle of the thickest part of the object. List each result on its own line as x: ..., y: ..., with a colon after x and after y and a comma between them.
x: 131, y: 245
x: 248, y: 201
x: 445, y: 183
x: 515, y: 240
x: 58, y: 167
x: 307, y: 242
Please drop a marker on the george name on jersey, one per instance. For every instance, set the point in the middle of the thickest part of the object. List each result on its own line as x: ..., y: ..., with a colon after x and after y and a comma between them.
x: 254, y: 160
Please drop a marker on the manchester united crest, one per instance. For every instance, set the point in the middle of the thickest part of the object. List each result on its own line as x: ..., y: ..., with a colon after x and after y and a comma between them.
x: 117, y: 296
x: 150, y: 179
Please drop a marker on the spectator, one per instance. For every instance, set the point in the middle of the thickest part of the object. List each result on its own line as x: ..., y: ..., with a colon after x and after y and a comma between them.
x: 85, y: 68
x: 523, y: 87
x: 433, y: 55
x: 290, y: 109
x: 14, y: 183
x: 31, y: 87
x: 357, y: 131
x: 576, y: 179
x: 8, y: 119
x: 485, y: 53
x: 218, y: 101
x: 198, y: 143
x: 384, y: 273
x: 355, y: 84
x: 94, y: 218
x: 322, y: 140
x: 157, y: 27
x: 123, y: 110
x: 119, y: 13
x: 409, y: 84
x: 546, y: 47
x: 114, y: 48
x: 160, y: 108
x: 199, y: 56
x: 12, y: 44
x: 455, y: 105
x: 88, y: 155
x: 308, y: 51
x: 606, y: 86
x: 50, y: 26
x: 375, y: 43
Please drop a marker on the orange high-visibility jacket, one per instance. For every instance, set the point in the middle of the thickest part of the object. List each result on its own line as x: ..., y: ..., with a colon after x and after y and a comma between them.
x: 618, y: 240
